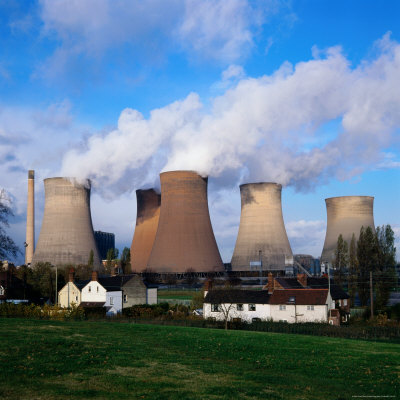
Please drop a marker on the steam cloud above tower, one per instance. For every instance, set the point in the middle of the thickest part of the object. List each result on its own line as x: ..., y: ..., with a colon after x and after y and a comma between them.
x: 299, y: 126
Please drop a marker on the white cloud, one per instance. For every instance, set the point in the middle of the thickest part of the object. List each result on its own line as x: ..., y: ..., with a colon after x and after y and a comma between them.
x: 261, y: 128
x: 86, y: 30
x: 306, y: 236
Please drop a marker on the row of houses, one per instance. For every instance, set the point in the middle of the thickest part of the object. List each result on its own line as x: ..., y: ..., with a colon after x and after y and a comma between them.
x: 301, y: 299
x: 112, y: 292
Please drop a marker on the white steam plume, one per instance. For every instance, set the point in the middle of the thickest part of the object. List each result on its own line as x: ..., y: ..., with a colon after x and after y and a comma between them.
x: 299, y: 126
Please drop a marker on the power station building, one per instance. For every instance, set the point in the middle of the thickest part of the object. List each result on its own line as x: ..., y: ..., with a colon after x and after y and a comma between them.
x: 66, y: 236
x: 345, y: 216
x: 262, y: 235
x: 185, y: 238
x: 147, y: 216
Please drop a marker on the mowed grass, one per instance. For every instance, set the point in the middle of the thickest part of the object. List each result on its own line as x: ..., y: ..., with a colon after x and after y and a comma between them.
x: 176, y: 294
x: 110, y: 360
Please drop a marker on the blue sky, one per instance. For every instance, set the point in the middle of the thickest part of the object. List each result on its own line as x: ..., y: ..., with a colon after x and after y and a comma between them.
x: 304, y: 93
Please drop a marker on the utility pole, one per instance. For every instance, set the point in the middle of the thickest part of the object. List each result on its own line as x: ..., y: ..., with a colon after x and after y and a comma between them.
x: 371, y: 294
x: 56, y: 298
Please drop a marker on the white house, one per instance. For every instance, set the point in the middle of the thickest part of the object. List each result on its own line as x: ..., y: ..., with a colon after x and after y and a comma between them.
x: 113, y: 292
x: 300, y: 305
x: 292, y: 305
x: 231, y: 304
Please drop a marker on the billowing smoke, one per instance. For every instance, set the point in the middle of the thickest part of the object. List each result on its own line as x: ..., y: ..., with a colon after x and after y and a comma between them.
x: 299, y: 126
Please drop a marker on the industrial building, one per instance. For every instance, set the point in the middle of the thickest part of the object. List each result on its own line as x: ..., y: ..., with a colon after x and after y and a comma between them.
x: 185, y: 238
x: 345, y: 216
x: 66, y: 236
x: 147, y: 216
x: 104, y: 241
x: 262, y: 235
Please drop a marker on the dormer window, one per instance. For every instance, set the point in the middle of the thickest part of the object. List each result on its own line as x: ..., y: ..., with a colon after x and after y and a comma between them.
x: 292, y: 299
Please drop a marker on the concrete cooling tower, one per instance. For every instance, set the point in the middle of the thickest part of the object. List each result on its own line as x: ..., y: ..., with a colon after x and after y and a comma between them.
x: 261, y: 229
x: 66, y: 236
x: 147, y: 216
x: 346, y: 215
x: 184, y: 239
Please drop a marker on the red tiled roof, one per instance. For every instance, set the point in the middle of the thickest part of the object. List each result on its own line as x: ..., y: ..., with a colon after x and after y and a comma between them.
x: 301, y: 296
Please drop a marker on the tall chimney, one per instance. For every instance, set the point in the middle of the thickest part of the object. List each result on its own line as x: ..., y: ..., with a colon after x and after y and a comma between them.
x: 185, y: 239
x: 346, y: 215
x: 66, y: 236
x: 262, y: 234
x: 147, y: 216
x: 30, y: 219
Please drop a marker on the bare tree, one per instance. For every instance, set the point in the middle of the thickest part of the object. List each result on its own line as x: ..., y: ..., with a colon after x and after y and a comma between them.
x: 7, y: 246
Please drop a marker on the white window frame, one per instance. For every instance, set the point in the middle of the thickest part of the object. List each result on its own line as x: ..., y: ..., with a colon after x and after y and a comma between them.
x: 239, y: 307
x: 310, y: 308
x: 282, y: 307
x: 252, y: 307
x: 111, y: 301
x: 125, y: 298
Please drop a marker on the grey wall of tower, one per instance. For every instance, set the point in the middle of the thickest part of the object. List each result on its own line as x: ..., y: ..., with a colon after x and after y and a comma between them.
x: 346, y: 215
x: 66, y: 236
x: 261, y: 229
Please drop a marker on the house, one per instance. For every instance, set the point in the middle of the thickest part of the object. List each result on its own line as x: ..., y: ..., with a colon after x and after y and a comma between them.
x: 112, y: 292
x: 71, y: 293
x: 300, y: 305
x: 13, y: 289
x: 236, y: 304
x: 339, y: 297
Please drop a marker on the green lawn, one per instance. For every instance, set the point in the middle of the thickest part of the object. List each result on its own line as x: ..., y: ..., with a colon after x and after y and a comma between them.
x: 107, y: 360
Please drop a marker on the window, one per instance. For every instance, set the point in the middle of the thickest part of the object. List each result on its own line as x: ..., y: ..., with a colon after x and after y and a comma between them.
x: 310, y: 308
x: 76, y: 298
x: 292, y: 299
x: 252, y: 307
x: 282, y: 307
x: 345, y: 302
x: 90, y: 288
x: 97, y: 289
x: 125, y: 298
x: 239, y: 307
x: 255, y: 319
x: 111, y: 300
x: 283, y: 320
x: 1, y: 291
x: 214, y: 307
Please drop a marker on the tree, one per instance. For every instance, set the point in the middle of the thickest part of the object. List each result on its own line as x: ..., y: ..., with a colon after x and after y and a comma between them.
x: 341, y: 259
x: 353, y: 269
x: 126, y: 260
x: 367, y: 255
x: 7, y: 246
x: 385, y: 276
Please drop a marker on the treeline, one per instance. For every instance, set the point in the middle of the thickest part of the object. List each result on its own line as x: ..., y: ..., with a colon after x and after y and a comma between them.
x: 373, y: 255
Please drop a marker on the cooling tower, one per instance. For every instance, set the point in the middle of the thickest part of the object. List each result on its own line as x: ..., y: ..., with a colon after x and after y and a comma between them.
x: 66, y: 236
x: 147, y: 216
x: 184, y: 239
x: 261, y: 229
x: 346, y: 215
x: 30, y: 219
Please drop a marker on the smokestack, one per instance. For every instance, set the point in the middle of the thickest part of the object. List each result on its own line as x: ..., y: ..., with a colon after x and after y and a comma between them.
x: 147, y: 216
x: 30, y: 219
x: 185, y: 239
x: 95, y: 276
x: 71, y: 275
x: 67, y: 235
x: 262, y: 232
x: 346, y: 215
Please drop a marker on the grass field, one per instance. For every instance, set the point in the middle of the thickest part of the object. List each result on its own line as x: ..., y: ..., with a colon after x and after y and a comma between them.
x: 108, y: 360
x: 176, y: 294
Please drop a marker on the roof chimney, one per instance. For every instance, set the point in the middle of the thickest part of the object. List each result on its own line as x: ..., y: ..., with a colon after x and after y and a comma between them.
x: 71, y: 275
x: 270, y: 284
x: 95, y: 276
